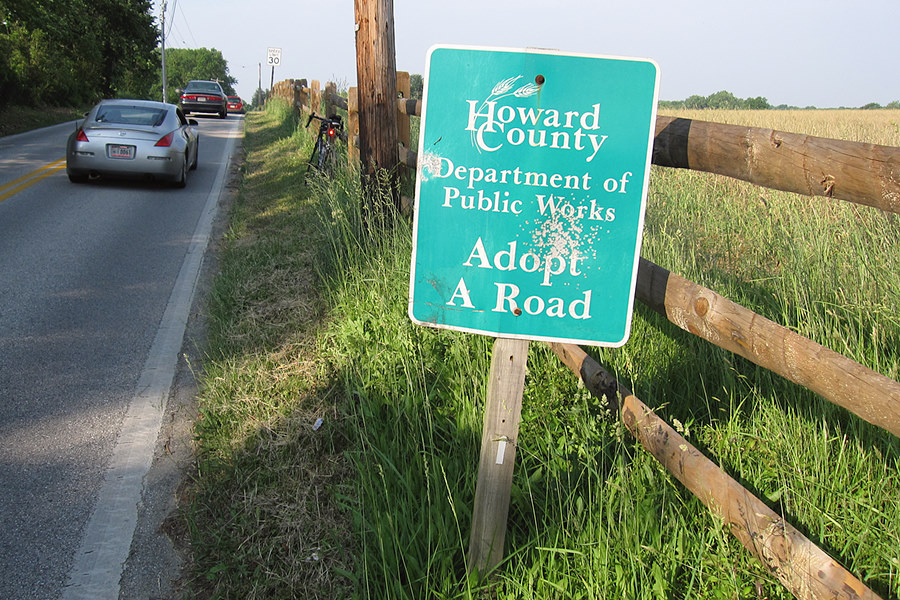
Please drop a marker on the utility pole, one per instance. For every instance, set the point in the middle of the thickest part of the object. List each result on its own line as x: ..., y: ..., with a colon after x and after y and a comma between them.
x: 163, y: 36
x: 376, y: 76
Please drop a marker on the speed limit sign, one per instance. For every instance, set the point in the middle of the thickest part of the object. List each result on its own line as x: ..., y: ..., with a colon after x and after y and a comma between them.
x: 273, y: 57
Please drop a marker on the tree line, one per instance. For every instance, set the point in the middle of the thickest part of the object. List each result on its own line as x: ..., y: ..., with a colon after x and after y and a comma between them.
x: 728, y: 101
x: 75, y: 52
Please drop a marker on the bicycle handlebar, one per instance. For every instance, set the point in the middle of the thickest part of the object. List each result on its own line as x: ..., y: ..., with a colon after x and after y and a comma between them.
x: 335, y: 120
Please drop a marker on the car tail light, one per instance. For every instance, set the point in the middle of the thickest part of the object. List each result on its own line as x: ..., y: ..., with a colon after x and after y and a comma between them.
x: 166, y: 140
x: 81, y: 136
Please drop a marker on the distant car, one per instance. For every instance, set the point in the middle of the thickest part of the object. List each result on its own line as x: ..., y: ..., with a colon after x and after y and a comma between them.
x: 200, y: 96
x: 133, y: 138
x: 235, y: 104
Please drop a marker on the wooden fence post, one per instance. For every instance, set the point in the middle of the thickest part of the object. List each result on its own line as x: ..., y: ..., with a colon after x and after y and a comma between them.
x: 353, y: 125
x: 403, y: 118
x: 499, y: 437
x: 302, y: 94
x: 376, y: 76
x: 330, y: 93
x: 295, y: 96
x: 315, y: 97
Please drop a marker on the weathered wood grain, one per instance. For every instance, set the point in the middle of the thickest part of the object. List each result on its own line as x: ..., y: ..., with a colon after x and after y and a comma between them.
x: 376, y: 77
x: 729, y: 325
x: 499, y: 436
x: 866, y: 174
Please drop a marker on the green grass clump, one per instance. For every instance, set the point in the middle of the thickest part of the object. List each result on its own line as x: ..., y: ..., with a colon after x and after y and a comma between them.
x: 17, y: 119
x: 309, y: 319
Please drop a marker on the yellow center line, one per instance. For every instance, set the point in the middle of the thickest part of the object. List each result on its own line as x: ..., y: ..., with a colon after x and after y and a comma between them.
x: 17, y: 185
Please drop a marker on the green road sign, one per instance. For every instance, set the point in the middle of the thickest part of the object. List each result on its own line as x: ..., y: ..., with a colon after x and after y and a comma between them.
x: 530, y: 193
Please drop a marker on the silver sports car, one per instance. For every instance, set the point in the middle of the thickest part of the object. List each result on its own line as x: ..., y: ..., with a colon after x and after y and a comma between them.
x: 133, y: 138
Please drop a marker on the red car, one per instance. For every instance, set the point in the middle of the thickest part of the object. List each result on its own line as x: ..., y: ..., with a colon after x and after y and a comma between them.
x: 235, y: 104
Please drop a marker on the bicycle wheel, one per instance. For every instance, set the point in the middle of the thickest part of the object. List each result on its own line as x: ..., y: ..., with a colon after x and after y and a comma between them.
x: 313, y: 160
x: 323, y: 158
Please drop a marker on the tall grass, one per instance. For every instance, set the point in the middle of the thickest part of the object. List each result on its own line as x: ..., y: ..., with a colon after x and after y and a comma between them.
x: 592, y: 515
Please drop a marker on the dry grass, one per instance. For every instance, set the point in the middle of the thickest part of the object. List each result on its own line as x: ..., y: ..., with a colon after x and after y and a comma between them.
x: 265, y: 517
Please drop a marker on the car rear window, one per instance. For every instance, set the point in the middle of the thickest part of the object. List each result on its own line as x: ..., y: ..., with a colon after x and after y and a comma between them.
x: 203, y: 87
x: 131, y: 115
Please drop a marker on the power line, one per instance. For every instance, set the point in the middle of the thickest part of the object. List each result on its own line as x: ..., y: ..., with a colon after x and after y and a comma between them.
x: 188, y: 25
x: 172, y: 20
x: 172, y: 24
x: 179, y: 35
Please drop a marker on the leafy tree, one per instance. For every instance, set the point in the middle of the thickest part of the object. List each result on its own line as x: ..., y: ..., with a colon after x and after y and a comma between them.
x: 719, y: 100
x: 723, y: 100
x: 70, y: 52
x: 758, y: 103
x: 185, y: 64
x: 259, y: 98
x: 416, y: 85
x: 696, y: 102
x: 870, y: 106
x: 895, y: 104
x: 128, y: 44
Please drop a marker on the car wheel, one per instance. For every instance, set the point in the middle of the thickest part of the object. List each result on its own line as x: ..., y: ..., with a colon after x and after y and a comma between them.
x: 181, y: 180
x: 77, y: 177
x: 223, y: 114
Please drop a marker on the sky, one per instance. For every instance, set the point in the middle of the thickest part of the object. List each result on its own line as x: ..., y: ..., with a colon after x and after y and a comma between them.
x: 824, y: 53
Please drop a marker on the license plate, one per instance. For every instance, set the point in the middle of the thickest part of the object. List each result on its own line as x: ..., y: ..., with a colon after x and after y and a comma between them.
x: 116, y: 151
x: 201, y: 98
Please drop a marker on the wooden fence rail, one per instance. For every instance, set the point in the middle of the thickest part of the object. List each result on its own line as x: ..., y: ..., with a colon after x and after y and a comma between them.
x: 863, y: 173
x: 729, y: 325
x: 799, y: 565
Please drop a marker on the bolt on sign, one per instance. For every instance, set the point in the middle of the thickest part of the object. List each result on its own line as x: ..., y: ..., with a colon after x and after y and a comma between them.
x: 531, y: 188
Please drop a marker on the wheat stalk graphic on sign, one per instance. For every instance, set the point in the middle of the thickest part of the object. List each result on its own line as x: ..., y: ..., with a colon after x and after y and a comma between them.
x: 502, y: 89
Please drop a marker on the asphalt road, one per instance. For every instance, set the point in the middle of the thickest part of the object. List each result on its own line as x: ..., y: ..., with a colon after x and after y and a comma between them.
x: 96, y: 281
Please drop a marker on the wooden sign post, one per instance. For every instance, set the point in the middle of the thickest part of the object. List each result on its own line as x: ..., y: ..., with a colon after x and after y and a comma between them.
x: 531, y: 187
x: 498, y: 454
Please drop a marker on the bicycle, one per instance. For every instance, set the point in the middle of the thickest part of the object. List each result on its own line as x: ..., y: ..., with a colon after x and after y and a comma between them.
x: 323, y: 156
